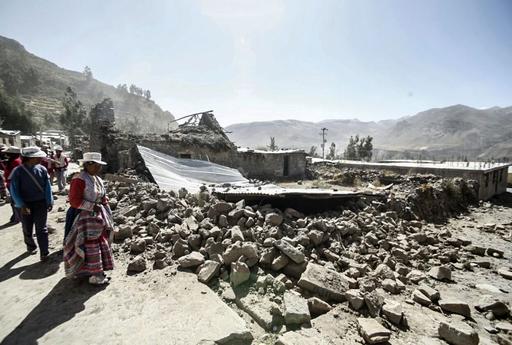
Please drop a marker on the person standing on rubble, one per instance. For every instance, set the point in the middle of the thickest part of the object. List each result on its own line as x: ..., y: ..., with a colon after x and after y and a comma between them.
x: 32, y: 195
x: 60, y: 166
x: 89, y: 224
x: 13, y: 160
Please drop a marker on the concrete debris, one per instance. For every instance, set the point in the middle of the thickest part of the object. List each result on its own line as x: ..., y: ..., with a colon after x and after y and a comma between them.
x: 393, y: 312
x: 325, y: 282
x: 287, y: 249
x: 193, y: 259
x: 208, y: 270
x: 286, y: 267
x: 355, y: 298
x: 458, y: 333
x: 432, y: 294
x: 505, y: 272
x: 317, y: 306
x: 504, y: 327
x: 240, y: 273
x: 421, y: 298
x: 455, y: 307
x: 498, y: 308
x: 296, y: 311
x: 138, y: 264
x: 259, y: 308
x: 442, y: 273
x: 372, y: 331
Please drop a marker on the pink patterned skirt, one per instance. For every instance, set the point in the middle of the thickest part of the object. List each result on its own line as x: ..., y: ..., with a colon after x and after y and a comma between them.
x: 87, y: 249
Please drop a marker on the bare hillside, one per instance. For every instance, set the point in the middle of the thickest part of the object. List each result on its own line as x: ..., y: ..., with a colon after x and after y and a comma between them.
x: 441, y: 133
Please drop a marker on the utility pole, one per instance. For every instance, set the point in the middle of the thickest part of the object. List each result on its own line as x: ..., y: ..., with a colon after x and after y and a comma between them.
x: 323, y: 141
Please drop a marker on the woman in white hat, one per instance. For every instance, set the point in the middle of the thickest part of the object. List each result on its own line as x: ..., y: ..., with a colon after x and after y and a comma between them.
x: 87, y: 242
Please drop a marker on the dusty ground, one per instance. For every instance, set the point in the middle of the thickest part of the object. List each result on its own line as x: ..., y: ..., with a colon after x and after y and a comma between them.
x: 40, y: 306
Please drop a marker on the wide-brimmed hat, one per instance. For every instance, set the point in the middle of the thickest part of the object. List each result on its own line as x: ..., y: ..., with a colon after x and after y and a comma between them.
x: 92, y: 157
x: 32, y: 152
x: 3, y: 147
x: 12, y: 149
x: 58, y: 148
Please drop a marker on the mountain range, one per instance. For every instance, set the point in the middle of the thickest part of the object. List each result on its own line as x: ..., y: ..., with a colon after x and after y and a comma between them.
x: 453, y: 132
x: 41, y: 85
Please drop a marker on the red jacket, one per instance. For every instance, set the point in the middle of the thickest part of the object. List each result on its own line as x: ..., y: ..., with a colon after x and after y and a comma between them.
x: 9, y: 167
x: 76, y: 193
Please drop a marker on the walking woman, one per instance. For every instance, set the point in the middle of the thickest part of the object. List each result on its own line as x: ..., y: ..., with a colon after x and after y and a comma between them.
x: 87, y: 242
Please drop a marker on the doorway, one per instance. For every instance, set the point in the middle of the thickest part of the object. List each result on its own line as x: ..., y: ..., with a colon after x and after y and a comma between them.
x: 286, y: 166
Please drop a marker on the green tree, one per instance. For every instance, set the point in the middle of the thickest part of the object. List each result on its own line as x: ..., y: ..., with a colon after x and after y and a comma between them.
x: 12, y: 78
x: 273, y: 146
x: 74, y: 116
x: 312, y: 151
x: 13, y: 114
x: 87, y: 73
x: 122, y: 88
x: 366, y: 149
x: 332, y: 152
x: 351, y: 150
x: 359, y: 148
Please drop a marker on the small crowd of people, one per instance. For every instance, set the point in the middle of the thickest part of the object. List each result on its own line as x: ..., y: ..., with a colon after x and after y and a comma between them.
x: 26, y: 182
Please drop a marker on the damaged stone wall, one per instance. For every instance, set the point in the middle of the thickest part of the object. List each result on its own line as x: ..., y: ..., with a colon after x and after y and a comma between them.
x: 205, y: 141
x: 424, y: 197
x: 491, y: 181
x: 272, y: 165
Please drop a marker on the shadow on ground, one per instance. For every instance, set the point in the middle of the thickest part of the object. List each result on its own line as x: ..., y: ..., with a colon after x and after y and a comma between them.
x: 38, y: 270
x: 64, y: 301
x: 504, y: 200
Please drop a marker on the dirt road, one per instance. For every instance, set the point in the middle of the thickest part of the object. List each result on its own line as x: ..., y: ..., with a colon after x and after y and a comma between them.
x: 40, y: 306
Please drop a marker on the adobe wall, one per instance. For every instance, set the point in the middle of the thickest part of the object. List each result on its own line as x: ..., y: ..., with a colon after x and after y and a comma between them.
x: 493, y: 183
x: 272, y: 165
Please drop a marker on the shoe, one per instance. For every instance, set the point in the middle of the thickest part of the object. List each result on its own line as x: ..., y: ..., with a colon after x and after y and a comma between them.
x: 43, y: 258
x: 32, y: 251
x: 98, y: 280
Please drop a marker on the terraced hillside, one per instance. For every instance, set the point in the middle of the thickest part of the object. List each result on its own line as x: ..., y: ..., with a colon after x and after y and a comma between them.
x: 41, y: 84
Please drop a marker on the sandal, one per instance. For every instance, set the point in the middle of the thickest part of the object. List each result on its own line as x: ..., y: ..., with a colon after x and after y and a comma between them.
x: 98, y: 280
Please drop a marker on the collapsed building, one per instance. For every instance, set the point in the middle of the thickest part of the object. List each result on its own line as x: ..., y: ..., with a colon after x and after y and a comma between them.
x: 200, y: 138
x: 288, y: 270
x: 491, y: 177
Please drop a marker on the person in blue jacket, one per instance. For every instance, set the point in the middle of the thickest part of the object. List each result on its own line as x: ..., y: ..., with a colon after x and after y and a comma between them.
x: 32, y: 194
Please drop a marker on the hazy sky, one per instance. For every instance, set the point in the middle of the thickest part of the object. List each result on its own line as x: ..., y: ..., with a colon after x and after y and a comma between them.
x: 265, y: 60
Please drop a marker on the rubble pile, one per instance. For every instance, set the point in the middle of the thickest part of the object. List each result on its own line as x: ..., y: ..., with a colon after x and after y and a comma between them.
x: 285, y: 268
x: 426, y: 197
